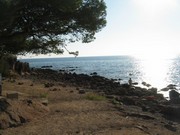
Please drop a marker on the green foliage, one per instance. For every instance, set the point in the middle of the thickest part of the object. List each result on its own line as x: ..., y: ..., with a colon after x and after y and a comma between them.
x: 43, y: 26
x: 95, y: 96
x: 115, y: 102
x: 43, y: 95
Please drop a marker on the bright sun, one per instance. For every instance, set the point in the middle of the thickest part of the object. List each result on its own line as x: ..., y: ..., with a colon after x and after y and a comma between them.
x: 155, y: 7
x: 152, y: 36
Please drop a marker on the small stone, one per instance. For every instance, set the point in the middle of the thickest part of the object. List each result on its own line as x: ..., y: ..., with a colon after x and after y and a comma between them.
x: 77, y: 132
x: 145, y: 108
x: 153, y: 90
x: 22, y: 119
x: 94, y: 74
x: 29, y: 102
x: 47, y: 85
x: 57, y: 111
x: 171, y: 86
x: 169, y: 127
x: 20, y: 83
x: 82, y: 91
x: 44, y: 102
x: 135, y: 83
x: 165, y: 89
x: 55, y: 89
x: 64, y: 85
x: 12, y: 95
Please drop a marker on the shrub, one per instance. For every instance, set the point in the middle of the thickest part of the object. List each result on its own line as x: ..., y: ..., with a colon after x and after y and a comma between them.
x: 95, y: 96
x: 43, y: 95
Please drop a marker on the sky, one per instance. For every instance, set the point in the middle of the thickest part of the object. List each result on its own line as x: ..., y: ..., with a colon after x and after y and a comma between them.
x: 142, y: 28
x: 145, y: 28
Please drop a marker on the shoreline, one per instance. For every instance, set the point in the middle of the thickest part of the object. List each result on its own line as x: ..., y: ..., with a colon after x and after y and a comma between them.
x: 108, y: 87
x: 144, y: 85
x: 137, y: 75
x: 136, y: 103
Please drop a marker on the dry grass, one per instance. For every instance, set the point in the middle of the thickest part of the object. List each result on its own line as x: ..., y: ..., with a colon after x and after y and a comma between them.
x: 25, y: 87
x: 95, y: 97
x: 73, y: 113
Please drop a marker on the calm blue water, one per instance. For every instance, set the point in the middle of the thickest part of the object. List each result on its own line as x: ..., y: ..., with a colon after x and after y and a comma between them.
x: 159, y: 72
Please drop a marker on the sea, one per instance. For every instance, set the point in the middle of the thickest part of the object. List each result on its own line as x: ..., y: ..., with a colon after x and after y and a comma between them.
x: 158, y: 72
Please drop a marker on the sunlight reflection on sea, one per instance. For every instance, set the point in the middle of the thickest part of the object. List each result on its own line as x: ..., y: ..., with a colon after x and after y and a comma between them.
x: 159, y: 72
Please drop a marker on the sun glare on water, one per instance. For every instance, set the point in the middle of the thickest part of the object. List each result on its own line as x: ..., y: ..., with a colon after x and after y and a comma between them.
x: 155, y: 71
x: 155, y: 64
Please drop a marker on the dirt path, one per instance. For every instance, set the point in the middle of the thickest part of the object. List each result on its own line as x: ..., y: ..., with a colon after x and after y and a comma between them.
x: 72, y: 113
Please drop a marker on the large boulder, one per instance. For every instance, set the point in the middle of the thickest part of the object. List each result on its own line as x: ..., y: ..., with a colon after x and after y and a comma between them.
x: 174, y: 96
x: 171, y: 111
x: 3, y: 104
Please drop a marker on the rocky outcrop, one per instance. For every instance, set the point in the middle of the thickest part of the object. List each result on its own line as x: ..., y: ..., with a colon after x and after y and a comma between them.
x: 27, y: 110
x: 21, y: 67
x: 3, y: 104
x: 10, y: 63
x: 171, y: 111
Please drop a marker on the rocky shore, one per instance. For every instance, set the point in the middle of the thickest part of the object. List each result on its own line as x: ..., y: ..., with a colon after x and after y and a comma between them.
x: 131, y: 102
x: 147, y: 99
